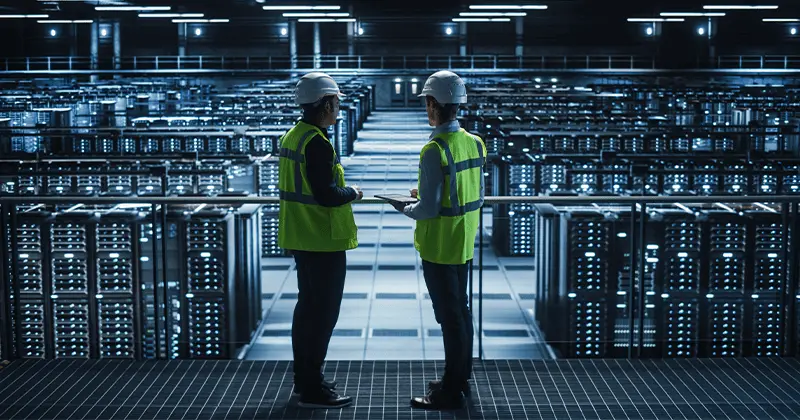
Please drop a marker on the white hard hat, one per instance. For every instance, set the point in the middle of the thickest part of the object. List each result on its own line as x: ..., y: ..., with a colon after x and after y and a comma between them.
x: 314, y: 86
x: 446, y: 87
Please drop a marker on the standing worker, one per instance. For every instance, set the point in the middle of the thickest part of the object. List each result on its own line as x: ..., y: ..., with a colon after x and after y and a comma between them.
x: 450, y: 192
x: 316, y: 225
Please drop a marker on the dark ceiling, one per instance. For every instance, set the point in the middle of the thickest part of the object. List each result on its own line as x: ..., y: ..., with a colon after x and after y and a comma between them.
x: 562, y: 11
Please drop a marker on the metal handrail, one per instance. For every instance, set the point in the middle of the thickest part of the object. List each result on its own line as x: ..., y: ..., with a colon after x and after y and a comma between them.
x: 555, y: 200
x: 343, y: 62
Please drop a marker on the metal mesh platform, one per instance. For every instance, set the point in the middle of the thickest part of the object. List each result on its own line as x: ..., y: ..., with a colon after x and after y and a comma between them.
x: 502, y: 389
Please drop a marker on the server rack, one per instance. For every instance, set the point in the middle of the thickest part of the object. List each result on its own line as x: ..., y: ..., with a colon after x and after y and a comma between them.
x: 121, y: 286
x: 712, y: 286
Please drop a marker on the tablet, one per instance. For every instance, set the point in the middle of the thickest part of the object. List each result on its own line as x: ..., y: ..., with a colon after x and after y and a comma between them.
x: 398, y: 198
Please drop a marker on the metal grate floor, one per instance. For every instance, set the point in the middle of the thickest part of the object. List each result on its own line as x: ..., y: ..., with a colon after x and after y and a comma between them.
x: 502, y: 389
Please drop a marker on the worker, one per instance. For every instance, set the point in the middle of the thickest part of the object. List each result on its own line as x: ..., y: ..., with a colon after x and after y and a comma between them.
x: 450, y: 194
x: 316, y: 225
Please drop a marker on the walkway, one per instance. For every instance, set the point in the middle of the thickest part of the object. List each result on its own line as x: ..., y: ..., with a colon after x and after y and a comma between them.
x: 386, y: 313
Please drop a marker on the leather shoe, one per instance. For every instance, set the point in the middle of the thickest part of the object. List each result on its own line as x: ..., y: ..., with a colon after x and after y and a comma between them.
x: 437, y: 384
x: 325, y: 384
x: 440, y: 400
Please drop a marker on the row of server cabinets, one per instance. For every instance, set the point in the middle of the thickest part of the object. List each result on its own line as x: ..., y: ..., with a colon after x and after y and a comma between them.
x: 210, y: 150
x: 129, y: 286
x: 716, y: 286
x: 561, y: 140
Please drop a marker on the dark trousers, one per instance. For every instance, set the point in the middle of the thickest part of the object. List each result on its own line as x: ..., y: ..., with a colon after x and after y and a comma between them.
x: 320, y: 284
x: 447, y: 286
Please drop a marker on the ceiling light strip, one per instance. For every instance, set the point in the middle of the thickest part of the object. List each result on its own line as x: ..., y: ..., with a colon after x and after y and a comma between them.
x: 326, y: 20
x: 55, y: 21
x: 656, y: 20
x: 315, y: 15
x: 131, y: 8
x: 24, y: 16
x: 201, y: 20
x: 508, y: 7
x: 692, y: 14
x: 481, y: 20
x: 301, y: 7
x: 171, y: 15
x: 491, y: 14
x: 781, y: 20
x: 738, y: 7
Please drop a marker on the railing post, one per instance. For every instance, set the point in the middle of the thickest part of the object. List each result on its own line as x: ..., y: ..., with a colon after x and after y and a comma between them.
x: 427, y: 62
x: 495, y: 61
x: 247, y: 60
x: 336, y: 61
x: 565, y: 62
x: 156, y: 62
x: 449, y: 62
x: 222, y: 62
x: 740, y: 62
x: 609, y: 61
x: 631, y: 61
x: 201, y: 62
x: 404, y: 63
x: 519, y: 59
x: 542, y: 64
x: 269, y: 62
x: 28, y: 63
x: 179, y: 62
x: 587, y: 61
x: 70, y: 63
x: 135, y: 67
x: 785, y: 62
x: 472, y: 62
x: 49, y: 68
x: 381, y: 62
x: 359, y: 62
x: 762, y: 61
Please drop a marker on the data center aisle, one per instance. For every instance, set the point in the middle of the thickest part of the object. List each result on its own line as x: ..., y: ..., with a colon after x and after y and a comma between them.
x: 386, y: 313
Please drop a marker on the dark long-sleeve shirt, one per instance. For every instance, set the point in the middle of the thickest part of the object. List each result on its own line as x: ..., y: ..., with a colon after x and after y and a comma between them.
x: 320, y: 160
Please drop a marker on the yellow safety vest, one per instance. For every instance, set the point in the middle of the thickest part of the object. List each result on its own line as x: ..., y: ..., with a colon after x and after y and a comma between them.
x: 304, y: 225
x: 449, y: 238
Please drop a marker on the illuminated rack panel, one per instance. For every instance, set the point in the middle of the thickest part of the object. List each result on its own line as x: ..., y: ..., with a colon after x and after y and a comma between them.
x: 116, y: 318
x: 89, y: 185
x: 767, y: 338
x: 207, y: 273
x: 206, y: 318
x: 211, y: 184
x: 71, y: 329
x: 70, y: 284
x: 676, y: 181
x: 554, y: 178
x: 769, y: 266
x: 736, y: 181
x: 726, y: 328
x: 707, y: 182
x: 59, y: 185
x: 148, y: 185
x: 29, y: 264
x: 681, y: 328
x: 616, y: 183
x: 588, y: 246
x: 682, y: 256
x: 181, y: 184
x: 587, y: 286
x: 727, y: 257
x: 32, y: 329
x: 585, y: 183
x: 69, y: 258
x: 268, y: 186
x: 118, y: 185
x: 588, y: 328
x: 791, y: 182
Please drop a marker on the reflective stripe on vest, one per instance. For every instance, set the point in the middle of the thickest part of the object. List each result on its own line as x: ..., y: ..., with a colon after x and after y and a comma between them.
x: 297, y: 195
x: 453, y: 169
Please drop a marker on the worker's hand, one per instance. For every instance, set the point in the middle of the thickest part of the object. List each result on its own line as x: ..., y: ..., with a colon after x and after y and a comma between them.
x: 398, y: 206
x: 358, y: 191
x: 414, y: 192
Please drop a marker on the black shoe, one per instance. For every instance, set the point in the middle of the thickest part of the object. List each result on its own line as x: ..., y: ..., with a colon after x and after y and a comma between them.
x: 440, y: 400
x: 325, y: 384
x: 323, y: 398
x: 436, y: 384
